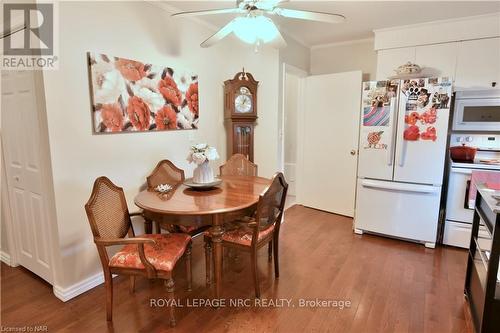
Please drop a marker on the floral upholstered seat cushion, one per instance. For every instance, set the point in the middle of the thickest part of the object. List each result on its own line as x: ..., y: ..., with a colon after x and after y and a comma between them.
x: 241, y: 233
x: 162, y: 255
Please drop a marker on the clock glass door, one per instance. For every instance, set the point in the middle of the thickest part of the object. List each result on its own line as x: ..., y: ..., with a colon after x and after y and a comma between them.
x: 243, y: 140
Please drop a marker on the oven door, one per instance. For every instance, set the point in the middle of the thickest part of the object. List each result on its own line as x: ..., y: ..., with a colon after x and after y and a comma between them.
x: 458, y: 196
x: 477, y: 114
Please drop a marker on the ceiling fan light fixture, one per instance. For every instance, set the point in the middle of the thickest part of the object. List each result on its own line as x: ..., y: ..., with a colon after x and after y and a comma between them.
x: 255, y: 29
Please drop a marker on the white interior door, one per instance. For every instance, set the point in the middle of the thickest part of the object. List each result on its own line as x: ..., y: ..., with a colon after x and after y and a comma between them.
x: 330, y: 141
x: 23, y: 161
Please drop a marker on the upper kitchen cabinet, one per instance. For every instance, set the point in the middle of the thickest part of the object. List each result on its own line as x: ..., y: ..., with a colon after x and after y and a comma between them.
x: 437, y: 60
x: 478, y: 64
x: 388, y: 60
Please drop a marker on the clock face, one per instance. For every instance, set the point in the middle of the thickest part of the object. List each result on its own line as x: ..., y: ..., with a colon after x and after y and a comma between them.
x: 243, y: 101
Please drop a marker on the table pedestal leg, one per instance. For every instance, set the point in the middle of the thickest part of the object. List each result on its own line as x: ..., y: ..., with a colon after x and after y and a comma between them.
x: 216, y: 233
x: 148, y: 226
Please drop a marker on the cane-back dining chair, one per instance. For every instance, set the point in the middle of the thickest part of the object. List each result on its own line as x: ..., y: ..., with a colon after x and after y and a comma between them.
x: 152, y: 256
x: 252, y: 233
x: 166, y: 172
x: 238, y: 165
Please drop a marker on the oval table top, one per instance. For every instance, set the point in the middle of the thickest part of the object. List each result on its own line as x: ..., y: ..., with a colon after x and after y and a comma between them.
x: 234, y: 193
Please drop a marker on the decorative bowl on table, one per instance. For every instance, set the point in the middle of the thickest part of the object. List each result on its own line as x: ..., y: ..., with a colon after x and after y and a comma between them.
x: 202, y: 186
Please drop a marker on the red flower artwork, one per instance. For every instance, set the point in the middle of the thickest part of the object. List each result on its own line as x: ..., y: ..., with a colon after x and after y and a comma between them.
x: 138, y: 112
x: 168, y: 88
x: 112, y: 117
x: 192, y: 98
x: 166, y: 118
x: 130, y: 69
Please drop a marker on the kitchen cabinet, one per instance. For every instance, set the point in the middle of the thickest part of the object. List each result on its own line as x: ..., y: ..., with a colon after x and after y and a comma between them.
x: 478, y: 63
x: 389, y: 60
x: 437, y: 60
x: 474, y: 64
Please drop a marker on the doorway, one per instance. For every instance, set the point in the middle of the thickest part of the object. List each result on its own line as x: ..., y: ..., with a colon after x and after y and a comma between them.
x: 290, y: 131
x: 319, y: 138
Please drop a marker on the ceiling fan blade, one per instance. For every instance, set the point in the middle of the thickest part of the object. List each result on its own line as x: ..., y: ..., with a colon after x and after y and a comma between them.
x: 308, y: 15
x: 269, y: 4
x: 222, y: 33
x: 210, y: 12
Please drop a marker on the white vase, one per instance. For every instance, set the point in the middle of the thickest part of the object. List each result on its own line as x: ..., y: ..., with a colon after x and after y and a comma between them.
x: 203, y: 173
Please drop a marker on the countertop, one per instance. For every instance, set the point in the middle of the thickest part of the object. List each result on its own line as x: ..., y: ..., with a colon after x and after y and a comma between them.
x: 487, y: 195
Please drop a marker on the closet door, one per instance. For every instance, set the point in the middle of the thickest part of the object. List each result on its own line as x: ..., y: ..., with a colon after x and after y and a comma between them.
x: 331, y: 127
x: 21, y: 142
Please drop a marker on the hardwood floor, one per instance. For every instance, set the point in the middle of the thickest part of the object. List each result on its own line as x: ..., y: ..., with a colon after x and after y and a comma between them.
x: 393, y: 286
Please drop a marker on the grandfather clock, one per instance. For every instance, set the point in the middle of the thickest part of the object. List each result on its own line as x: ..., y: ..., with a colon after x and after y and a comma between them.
x: 240, y: 113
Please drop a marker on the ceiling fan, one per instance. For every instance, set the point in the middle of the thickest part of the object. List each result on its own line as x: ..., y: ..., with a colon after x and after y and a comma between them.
x: 253, y: 26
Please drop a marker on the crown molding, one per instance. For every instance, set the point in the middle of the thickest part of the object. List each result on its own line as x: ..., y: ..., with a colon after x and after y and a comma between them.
x: 347, y: 42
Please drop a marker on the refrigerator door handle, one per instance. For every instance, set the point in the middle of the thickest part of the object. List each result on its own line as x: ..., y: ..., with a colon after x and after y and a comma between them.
x: 402, y: 152
x: 425, y: 189
x: 390, y: 153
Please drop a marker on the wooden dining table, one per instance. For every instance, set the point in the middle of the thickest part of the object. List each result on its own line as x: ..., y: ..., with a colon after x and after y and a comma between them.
x: 234, y: 194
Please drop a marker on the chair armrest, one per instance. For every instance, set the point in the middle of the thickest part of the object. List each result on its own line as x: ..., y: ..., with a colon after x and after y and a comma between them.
x: 122, y: 241
x: 140, y: 241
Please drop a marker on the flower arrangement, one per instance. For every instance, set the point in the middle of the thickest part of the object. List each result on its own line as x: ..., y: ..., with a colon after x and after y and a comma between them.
x: 201, y: 153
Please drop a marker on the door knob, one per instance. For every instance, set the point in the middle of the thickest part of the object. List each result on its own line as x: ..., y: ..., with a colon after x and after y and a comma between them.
x: 353, y: 152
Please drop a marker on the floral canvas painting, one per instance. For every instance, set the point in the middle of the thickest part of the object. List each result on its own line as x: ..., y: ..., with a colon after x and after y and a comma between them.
x: 133, y: 96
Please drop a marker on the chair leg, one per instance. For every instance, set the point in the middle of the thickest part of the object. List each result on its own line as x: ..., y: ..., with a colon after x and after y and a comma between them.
x: 170, y: 285
x: 132, y: 284
x: 255, y: 274
x: 157, y: 227
x: 108, y: 282
x: 208, y: 261
x: 188, y: 267
x: 270, y: 251
x: 276, y: 260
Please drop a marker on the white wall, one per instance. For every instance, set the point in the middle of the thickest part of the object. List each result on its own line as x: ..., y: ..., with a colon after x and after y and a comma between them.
x: 295, y: 54
x: 139, y: 31
x: 345, y: 57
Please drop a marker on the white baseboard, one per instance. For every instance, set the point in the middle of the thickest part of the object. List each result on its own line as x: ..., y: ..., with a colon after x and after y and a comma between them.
x: 65, y: 294
x: 5, y: 257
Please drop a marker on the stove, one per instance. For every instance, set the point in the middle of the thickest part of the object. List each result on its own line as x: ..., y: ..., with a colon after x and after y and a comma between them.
x: 458, y: 223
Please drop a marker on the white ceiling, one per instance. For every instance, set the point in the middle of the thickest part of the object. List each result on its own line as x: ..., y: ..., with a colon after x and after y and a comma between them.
x: 362, y: 17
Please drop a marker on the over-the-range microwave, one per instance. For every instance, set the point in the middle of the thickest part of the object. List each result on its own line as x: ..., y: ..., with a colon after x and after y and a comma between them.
x: 477, y: 110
